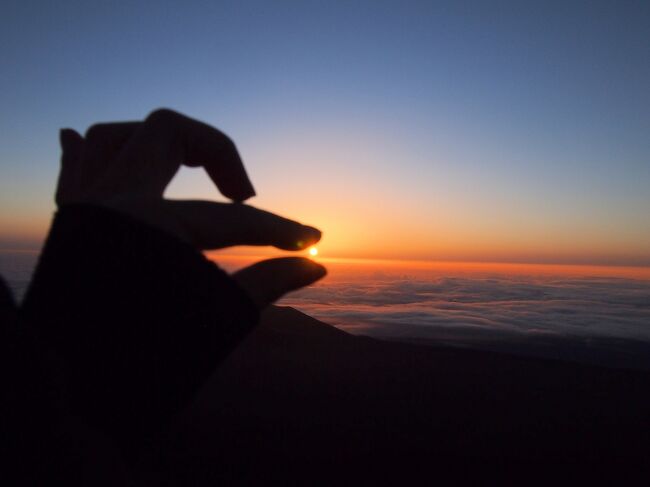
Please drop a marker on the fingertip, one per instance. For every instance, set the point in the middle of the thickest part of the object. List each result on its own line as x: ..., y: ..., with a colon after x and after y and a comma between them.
x: 311, y: 271
x: 243, y: 197
x: 250, y: 193
x: 231, y: 178
x: 268, y: 280
x: 238, y: 193
x: 320, y: 270
x: 308, y: 237
x: 313, y: 234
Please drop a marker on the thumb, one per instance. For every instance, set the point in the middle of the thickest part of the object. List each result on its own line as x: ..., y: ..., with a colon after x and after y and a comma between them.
x: 269, y: 280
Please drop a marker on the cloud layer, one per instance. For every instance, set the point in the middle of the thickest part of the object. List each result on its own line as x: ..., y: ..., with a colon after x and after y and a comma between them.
x: 602, y: 319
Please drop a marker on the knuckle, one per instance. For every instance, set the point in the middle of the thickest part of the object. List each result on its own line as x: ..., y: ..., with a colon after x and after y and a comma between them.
x: 162, y: 115
x: 228, y: 144
x: 95, y: 131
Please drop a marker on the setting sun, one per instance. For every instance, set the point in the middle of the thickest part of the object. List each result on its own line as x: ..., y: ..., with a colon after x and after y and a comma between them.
x: 313, y: 251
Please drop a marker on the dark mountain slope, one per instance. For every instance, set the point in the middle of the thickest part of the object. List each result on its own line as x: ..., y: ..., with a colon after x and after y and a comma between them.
x: 301, y: 401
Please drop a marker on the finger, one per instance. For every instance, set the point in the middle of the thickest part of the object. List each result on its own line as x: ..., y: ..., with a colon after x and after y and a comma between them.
x: 103, y: 143
x: 68, y: 187
x: 269, y: 280
x: 210, y: 225
x: 168, y: 139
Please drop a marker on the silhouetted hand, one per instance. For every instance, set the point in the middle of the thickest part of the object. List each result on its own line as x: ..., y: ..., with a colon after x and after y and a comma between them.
x: 127, y: 166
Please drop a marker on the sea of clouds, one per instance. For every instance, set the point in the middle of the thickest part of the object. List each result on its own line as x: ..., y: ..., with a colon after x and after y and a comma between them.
x: 595, y: 319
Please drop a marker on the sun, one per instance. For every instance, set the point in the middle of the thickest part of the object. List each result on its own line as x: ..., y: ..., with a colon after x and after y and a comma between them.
x: 313, y: 251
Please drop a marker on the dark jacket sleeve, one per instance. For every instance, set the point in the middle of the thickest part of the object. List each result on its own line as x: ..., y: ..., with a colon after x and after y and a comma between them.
x: 28, y: 401
x: 139, y: 318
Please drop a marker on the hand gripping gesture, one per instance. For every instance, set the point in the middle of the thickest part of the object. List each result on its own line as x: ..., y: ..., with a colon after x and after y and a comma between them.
x: 126, y: 166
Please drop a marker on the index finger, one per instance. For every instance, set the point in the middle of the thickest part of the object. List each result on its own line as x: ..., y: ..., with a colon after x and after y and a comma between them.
x: 168, y: 139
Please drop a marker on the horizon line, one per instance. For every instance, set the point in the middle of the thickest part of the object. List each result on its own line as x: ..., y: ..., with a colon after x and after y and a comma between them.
x: 224, y: 253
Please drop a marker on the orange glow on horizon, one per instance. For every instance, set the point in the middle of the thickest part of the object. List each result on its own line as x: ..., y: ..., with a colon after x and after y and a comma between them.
x: 344, y: 265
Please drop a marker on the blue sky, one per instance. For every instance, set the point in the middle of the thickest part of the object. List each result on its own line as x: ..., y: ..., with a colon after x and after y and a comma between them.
x: 520, y: 127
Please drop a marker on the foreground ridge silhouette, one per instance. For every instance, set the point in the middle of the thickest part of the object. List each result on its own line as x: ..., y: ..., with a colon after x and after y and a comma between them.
x: 303, y: 399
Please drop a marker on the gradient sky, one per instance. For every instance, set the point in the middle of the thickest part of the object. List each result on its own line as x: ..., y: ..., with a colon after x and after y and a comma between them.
x: 496, y: 131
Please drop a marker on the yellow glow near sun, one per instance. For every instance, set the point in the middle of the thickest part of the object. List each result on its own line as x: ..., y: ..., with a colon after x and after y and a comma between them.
x: 313, y: 251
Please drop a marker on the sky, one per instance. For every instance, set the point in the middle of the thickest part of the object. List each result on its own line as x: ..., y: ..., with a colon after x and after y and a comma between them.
x: 466, y: 131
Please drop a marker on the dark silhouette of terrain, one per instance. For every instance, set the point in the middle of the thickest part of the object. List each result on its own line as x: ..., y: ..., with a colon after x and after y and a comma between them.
x: 300, y: 399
